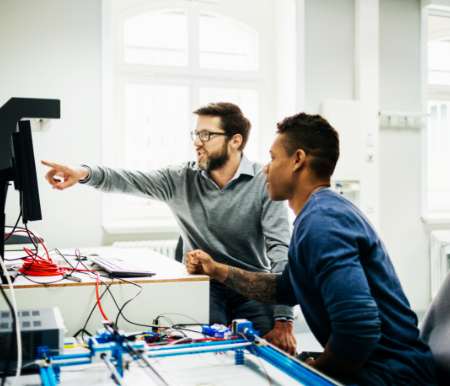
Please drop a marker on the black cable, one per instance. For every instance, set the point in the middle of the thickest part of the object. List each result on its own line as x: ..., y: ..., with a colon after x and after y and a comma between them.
x: 35, y: 245
x: 15, y: 226
x: 175, y: 313
x: 38, y: 282
x: 128, y: 301
x: 13, y: 337
x: 21, y: 258
x: 138, y: 354
x: 115, y: 302
x: 187, y: 324
x: 92, y: 311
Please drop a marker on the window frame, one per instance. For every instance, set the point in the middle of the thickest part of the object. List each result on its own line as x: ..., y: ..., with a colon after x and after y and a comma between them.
x: 114, y: 69
x: 436, y: 219
x: 193, y: 69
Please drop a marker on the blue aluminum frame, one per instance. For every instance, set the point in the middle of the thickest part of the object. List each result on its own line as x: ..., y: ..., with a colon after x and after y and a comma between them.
x: 117, y: 345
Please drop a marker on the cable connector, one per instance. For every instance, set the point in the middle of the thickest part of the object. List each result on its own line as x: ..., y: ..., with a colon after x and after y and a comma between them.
x: 73, y: 278
x: 155, y: 326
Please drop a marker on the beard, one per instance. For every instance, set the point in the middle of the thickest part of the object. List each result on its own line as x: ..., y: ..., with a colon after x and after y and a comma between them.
x: 215, y: 161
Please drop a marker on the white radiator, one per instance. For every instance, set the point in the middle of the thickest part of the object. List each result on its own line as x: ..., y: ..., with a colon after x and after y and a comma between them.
x: 165, y: 247
x: 440, y: 255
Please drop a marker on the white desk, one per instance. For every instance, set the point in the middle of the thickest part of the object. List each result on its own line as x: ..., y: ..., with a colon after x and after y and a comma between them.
x: 171, y: 290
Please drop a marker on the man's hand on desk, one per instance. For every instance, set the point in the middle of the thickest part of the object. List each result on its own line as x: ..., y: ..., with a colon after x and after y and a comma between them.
x: 62, y: 176
x: 282, y: 336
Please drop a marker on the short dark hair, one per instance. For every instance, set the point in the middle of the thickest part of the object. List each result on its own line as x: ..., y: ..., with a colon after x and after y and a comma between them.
x: 316, y: 137
x: 232, y: 120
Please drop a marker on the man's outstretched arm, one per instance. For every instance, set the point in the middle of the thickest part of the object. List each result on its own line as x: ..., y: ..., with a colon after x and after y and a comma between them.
x: 261, y: 287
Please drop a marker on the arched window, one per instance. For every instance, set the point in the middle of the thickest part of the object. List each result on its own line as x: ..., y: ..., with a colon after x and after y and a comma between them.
x: 227, y: 44
x: 157, y: 38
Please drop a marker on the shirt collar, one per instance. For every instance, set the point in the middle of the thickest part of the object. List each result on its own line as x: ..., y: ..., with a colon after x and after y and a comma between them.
x: 245, y: 167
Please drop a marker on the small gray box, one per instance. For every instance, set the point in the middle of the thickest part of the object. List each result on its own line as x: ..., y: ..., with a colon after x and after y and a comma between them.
x: 43, y: 327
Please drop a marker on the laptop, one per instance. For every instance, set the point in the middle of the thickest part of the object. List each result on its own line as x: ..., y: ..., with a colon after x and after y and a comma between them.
x: 118, y: 267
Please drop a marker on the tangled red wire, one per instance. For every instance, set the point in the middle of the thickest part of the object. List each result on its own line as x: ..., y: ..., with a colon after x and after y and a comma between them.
x: 35, y: 265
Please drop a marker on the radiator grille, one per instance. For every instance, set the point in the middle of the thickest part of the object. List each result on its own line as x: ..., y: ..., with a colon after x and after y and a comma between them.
x: 165, y: 247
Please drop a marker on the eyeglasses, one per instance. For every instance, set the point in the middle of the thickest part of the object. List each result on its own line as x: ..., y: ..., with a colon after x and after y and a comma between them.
x: 205, y: 136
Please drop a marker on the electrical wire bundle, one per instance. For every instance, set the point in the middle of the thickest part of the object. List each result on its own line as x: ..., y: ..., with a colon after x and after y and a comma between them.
x: 36, y: 265
x: 172, y: 336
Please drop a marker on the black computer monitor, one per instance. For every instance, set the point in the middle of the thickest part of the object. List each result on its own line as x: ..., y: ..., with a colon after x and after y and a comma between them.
x: 24, y: 172
x: 17, y: 155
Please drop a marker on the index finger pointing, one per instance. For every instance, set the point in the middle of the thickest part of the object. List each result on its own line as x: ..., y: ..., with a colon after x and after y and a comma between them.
x: 52, y: 165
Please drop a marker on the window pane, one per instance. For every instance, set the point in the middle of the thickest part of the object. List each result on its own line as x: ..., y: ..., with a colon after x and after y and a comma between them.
x: 439, y: 157
x: 227, y: 44
x: 157, y: 38
x: 156, y: 128
x: 439, y: 62
x: 248, y: 101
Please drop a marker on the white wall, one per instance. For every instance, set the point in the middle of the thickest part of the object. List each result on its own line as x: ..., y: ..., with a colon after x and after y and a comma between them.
x: 401, y: 228
x: 330, y: 74
x: 51, y: 49
x: 329, y: 52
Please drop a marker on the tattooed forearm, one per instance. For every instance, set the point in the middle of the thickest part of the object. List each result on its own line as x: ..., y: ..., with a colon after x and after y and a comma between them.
x: 261, y: 287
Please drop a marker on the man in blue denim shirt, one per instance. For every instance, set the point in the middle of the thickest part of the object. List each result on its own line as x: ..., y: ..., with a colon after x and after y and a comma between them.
x: 338, y: 270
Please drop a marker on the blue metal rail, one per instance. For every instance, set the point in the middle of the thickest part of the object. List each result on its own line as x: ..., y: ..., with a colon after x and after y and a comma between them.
x: 110, y: 347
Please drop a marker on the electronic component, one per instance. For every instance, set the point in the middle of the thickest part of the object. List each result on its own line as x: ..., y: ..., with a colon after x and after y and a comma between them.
x: 216, y: 331
x: 243, y: 326
x: 40, y: 327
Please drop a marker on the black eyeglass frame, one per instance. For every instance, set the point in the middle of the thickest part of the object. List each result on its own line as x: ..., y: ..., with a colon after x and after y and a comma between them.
x: 194, y: 135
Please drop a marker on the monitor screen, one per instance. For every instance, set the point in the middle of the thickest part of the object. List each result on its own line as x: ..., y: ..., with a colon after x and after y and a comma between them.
x: 24, y: 170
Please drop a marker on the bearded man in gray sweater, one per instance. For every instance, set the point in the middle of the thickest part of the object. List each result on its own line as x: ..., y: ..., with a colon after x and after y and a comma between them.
x: 221, y: 206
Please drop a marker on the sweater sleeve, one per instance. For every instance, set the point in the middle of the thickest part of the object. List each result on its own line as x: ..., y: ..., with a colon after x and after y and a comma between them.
x: 333, y: 261
x: 155, y: 184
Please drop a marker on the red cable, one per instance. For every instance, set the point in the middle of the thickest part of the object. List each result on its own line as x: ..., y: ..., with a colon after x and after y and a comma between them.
x: 38, y: 266
x: 37, y: 238
x: 98, y: 298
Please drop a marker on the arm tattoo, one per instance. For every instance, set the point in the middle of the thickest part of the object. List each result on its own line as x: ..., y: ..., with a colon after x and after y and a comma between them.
x: 261, y: 287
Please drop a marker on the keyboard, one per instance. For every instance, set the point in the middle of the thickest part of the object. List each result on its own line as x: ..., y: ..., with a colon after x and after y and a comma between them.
x: 119, y: 268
